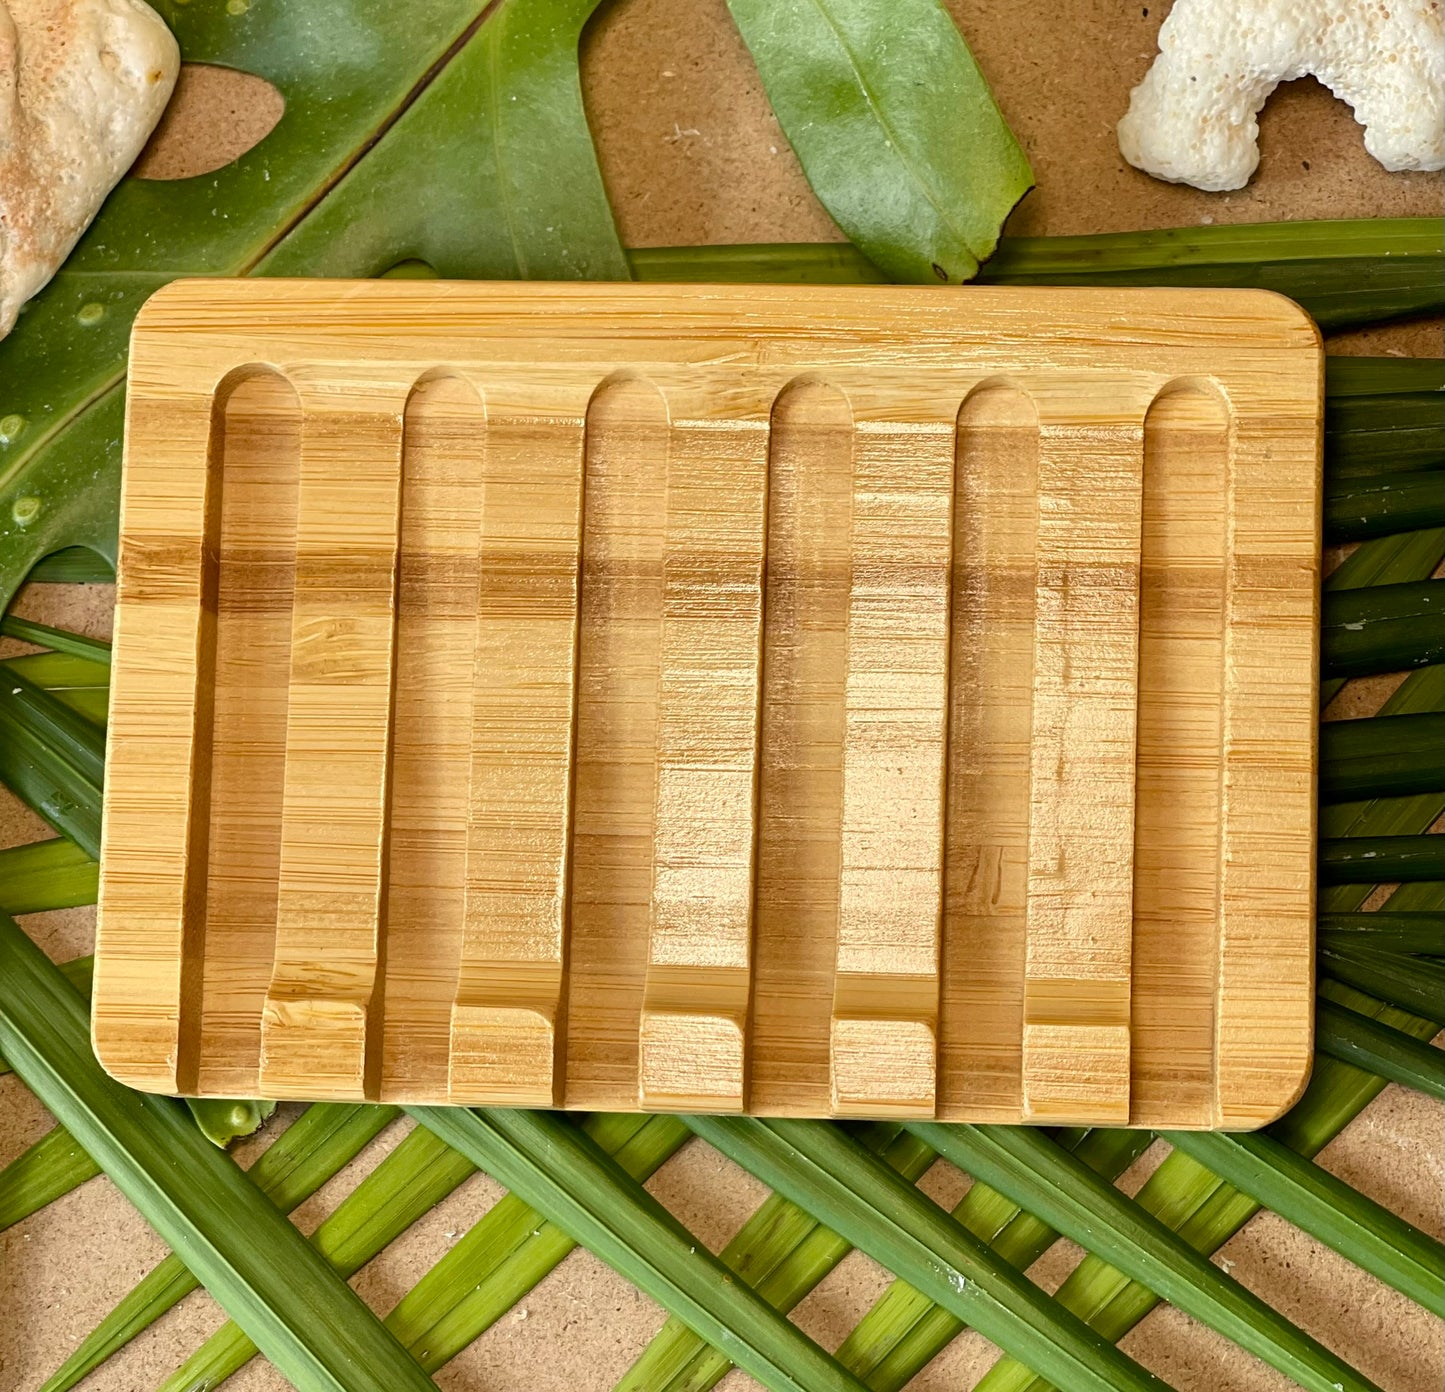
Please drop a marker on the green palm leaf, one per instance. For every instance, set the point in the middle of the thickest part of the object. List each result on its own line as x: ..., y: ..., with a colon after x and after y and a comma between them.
x: 905, y: 1330
x: 563, y: 1173
x: 1040, y: 1175
x: 1204, y: 1209
x: 1411, y: 556
x: 1409, y: 982
x: 1387, y: 756
x: 56, y: 639
x: 408, y: 1184
x: 1325, y: 1207
x: 504, y: 1255
x: 1359, y: 1039
x: 1343, y: 272
x: 53, y: 759
x: 39, y: 1175
x: 326, y: 1137
x: 782, y: 1252
x: 1347, y: 376
x: 308, y: 1322
x: 46, y: 875
x: 1380, y: 431
x: 1385, y: 628
x: 1395, y: 932
x: 1378, y: 504
x: 822, y: 1169
x: 78, y: 682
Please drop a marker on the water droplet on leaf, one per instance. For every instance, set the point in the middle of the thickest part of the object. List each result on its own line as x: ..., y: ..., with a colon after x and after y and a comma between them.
x: 25, y: 510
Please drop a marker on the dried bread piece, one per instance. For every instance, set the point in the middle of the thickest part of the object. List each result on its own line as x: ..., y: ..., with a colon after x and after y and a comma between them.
x: 1192, y: 119
x: 82, y: 84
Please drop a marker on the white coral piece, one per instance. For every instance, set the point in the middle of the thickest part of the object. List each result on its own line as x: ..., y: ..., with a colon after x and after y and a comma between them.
x: 1192, y: 119
x: 82, y: 84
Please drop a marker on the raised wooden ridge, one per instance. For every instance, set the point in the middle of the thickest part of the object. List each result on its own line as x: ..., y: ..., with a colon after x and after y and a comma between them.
x: 808, y: 701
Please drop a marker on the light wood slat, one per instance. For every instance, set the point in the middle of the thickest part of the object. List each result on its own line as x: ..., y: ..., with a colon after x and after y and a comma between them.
x: 699, y: 965
x: 1263, y: 1038
x: 334, y: 809
x: 1081, y: 828
x: 260, y: 449
x: 505, y: 1034
x: 624, y: 521
x: 151, y: 872
x: 990, y: 727
x: 436, y: 630
x: 1176, y: 822
x: 890, y: 896
x: 800, y: 789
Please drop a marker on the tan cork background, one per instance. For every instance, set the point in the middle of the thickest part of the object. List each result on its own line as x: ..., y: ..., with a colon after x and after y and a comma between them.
x: 692, y: 154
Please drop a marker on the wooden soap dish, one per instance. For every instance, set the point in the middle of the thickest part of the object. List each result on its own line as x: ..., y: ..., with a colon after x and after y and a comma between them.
x: 812, y: 701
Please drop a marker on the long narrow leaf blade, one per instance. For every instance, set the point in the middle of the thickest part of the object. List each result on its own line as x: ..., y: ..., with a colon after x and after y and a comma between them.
x: 1350, y: 271
x: 1394, y: 932
x: 512, y: 1247
x: 1201, y: 1207
x: 46, y: 875
x: 307, y: 1321
x: 1384, y: 756
x: 409, y: 1183
x: 561, y: 1172
x: 42, y: 1173
x: 1325, y: 1207
x: 53, y: 759
x: 1398, y: 560
x: 905, y: 1330
x: 1420, y: 692
x: 316, y: 1146
x: 1341, y: 272
x: 1411, y: 556
x: 1412, y: 983
x: 56, y: 639
x: 1347, y: 376
x: 782, y: 1252
x: 1381, y: 859
x: 76, y: 682
x: 756, y: 263
x: 1040, y: 1175
x: 1346, y: 1034
x: 1368, y: 436
x: 819, y: 1167
x: 1381, y: 504
x: 79, y: 972
x: 1385, y: 628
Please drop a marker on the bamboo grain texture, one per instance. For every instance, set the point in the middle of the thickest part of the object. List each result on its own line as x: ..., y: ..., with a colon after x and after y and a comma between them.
x: 802, y: 701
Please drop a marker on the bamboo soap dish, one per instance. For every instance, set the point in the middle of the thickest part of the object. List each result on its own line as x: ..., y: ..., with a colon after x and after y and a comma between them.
x: 810, y: 701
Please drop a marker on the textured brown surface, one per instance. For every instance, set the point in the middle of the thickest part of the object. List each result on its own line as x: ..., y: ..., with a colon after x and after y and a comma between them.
x: 691, y: 154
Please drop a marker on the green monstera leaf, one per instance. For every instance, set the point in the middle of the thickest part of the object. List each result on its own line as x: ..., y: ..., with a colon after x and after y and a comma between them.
x: 450, y: 131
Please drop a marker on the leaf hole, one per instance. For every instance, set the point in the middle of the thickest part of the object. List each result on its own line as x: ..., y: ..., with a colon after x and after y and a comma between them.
x: 215, y: 116
x: 411, y: 270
